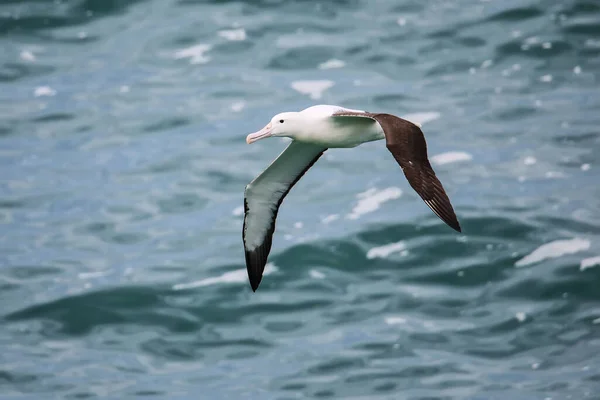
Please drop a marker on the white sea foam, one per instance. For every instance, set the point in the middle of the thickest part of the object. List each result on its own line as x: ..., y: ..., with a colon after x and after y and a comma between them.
x: 237, y: 276
x: 27, y: 55
x: 44, y: 91
x: 233, y: 34
x: 314, y: 89
x: 332, y: 63
x: 422, y: 118
x: 238, y: 211
x: 372, y: 199
x: 237, y: 106
x: 196, y: 53
x: 554, y: 249
x: 451, y: 157
x: 589, y: 263
x: 394, y: 320
x: 316, y: 274
x: 384, y: 251
x: 330, y: 218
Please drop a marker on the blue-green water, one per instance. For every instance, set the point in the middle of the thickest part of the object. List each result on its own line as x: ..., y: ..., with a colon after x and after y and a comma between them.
x: 123, y: 164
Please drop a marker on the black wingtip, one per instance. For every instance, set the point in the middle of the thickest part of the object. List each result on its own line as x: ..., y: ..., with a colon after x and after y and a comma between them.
x: 254, y: 275
x: 452, y: 222
x: 254, y: 282
x: 256, y: 260
x: 456, y: 227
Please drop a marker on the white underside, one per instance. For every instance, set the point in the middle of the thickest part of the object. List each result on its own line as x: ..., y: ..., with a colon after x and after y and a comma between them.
x: 263, y: 193
x: 321, y: 131
x: 337, y: 132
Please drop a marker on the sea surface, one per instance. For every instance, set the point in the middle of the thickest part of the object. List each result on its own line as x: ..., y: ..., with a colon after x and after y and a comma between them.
x: 123, y: 163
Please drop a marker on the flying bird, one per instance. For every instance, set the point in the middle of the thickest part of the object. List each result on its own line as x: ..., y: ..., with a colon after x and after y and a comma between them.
x: 314, y: 130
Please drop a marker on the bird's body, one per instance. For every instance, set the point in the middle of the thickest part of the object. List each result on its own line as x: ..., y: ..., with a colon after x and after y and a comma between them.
x: 313, y: 131
x: 323, y: 130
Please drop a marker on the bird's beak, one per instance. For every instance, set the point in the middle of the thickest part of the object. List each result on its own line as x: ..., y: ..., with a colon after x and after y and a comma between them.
x: 263, y: 133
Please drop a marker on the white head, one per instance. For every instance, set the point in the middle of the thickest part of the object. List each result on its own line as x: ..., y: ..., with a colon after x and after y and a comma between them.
x: 286, y: 124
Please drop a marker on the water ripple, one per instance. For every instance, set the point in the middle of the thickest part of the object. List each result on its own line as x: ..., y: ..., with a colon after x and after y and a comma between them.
x: 121, y: 199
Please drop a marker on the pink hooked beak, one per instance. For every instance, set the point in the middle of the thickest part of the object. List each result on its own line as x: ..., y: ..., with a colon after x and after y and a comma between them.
x: 263, y: 133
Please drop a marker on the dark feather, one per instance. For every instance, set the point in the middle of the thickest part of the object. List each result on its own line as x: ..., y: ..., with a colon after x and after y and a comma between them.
x: 406, y: 142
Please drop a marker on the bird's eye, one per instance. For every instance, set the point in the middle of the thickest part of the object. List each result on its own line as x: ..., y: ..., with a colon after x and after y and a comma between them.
x: 281, y: 121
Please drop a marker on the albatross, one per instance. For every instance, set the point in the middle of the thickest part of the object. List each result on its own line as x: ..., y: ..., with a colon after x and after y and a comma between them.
x: 314, y: 130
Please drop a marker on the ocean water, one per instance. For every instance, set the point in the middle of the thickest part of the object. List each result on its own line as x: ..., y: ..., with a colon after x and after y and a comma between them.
x: 122, y: 168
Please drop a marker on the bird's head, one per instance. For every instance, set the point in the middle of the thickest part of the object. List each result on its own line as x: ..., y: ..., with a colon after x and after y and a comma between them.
x: 285, y: 124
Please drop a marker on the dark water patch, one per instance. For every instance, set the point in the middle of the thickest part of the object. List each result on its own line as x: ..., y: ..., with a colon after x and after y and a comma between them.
x: 356, y: 49
x: 279, y: 308
x: 81, y: 314
x: 443, y: 33
x: 12, y: 378
x: 324, y: 394
x: 44, y: 15
x: 234, y: 47
x: 577, y: 139
x: 32, y: 202
x: 166, y: 124
x: 335, y: 366
x: 582, y: 227
x: 226, y: 177
x: 283, y: 326
x: 10, y: 71
x: 6, y: 287
x: 172, y: 164
x: 123, y: 212
x: 313, y: 26
x: 407, y: 7
x: 301, y: 58
x: 579, y: 8
x: 470, y: 41
x: 581, y: 287
x: 181, y: 203
x: 477, y: 275
x: 510, y: 48
x: 389, y: 58
x: 586, y: 27
x: 449, y: 68
x: 537, y: 50
x: 146, y: 393
x: 31, y: 271
x: 108, y: 233
x: 516, y: 113
x: 516, y: 14
x: 97, y: 227
x: 54, y: 117
x: 31, y: 23
x: 413, y: 372
x: 80, y: 39
x: 176, y: 350
x: 392, y: 100
x: 5, y: 130
x: 333, y: 254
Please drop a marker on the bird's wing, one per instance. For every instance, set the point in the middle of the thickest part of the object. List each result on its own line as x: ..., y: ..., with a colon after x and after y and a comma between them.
x: 406, y: 142
x: 262, y: 199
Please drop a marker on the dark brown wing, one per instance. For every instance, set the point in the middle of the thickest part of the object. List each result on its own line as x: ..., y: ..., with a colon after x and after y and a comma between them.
x: 407, y: 144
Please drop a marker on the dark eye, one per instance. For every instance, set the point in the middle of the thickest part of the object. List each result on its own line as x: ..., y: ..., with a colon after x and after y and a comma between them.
x: 281, y: 121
